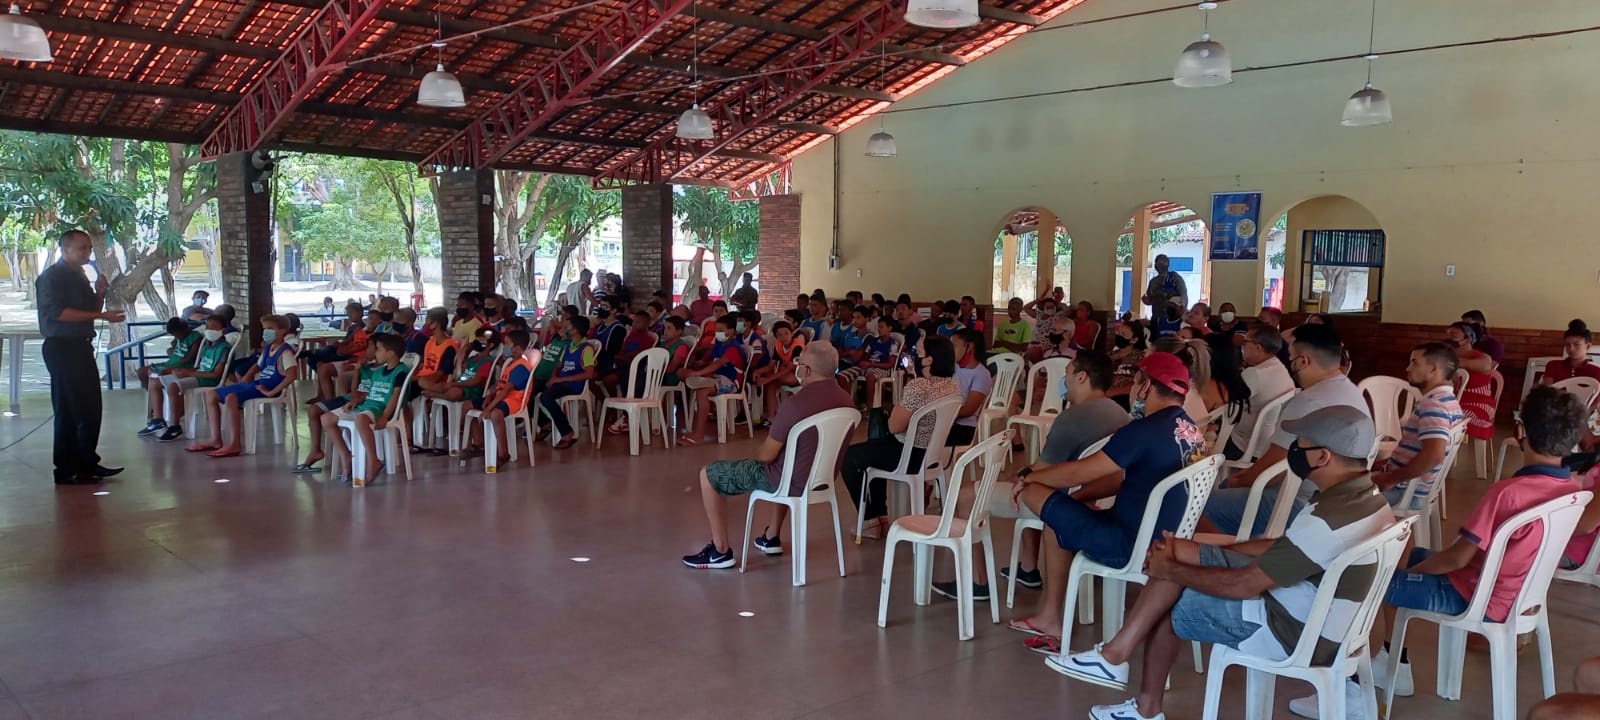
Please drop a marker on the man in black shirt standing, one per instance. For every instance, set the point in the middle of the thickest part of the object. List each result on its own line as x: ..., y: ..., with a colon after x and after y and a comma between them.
x: 68, y: 309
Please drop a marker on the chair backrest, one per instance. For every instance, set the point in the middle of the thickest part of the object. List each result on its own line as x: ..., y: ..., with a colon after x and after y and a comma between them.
x: 653, y: 363
x: 410, y: 360
x: 1391, y: 399
x: 1559, y: 518
x: 1458, y: 436
x: 1198, y: 480
x: 1381, y: 552
x: 1007, y: 371
x: 943, y: 412
x: 1458, y: 381
x: 1497, y: 385
x: 1267, y: 421
x: 1223, y: 417
x: 1586, y: 388
x: 810, y: 333
x: 832, y: 428
x: 1053, y: 371
x: 1536, y: 368
x: 990, y: 452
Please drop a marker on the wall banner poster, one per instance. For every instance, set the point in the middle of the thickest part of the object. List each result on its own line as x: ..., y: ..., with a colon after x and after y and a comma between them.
x: 1235, y: 226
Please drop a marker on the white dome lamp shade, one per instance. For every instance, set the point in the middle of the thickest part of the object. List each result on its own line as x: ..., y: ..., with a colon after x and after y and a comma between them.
x: 695, y: 124
x: 1205, y: 63
x: 881, y: 145
x: 21, y: 38
x: 942, y: 14
x: 440, y: 89
x: 1369, y: 106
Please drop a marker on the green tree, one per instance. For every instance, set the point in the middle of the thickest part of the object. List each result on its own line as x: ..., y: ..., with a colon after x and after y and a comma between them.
x: 350, y: 227
x: 730, y: 231
x: 576, y: 210
x: 398, y: 181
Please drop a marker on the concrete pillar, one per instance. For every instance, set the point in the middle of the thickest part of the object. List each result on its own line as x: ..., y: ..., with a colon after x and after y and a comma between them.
x: 247, y: 255
x: 1046, y: 272
x: 466, y: 232
x: 778, y: 257
x: 647, y: 240
x: 1141, y: 261
x: 1008, y: 268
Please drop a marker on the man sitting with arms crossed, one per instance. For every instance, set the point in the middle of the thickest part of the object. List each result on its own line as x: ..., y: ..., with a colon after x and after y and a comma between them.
x: 1252, y: 596
x: 1138, y: 457
x: 731, y: 478
x: 1314, y: 358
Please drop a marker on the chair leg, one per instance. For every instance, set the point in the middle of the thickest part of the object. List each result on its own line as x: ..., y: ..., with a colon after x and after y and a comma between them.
x: 603, y: 417
x: 1503, y: 672
x: 964, y: 601
x: 1330, y: 695
x: 1547, y: 666
x: 1258, y: 692
x: 883, y: 591
x: 636, y: 430
x: 1016, y: 552
x: 1213, y: 690
x: 922, y: 558
x: 1199, y: 658
x: 1500, y: 466
x: 1397, y: 645
x: 527, y: 437
x: 799, y: 528
x: 1114, y: 595
x: 749, y: 516
x: 1070, y: 602
x: 1369, y: 689
x: 988, y: 564
x: 861, y: 509
x: 511, y: 437
x: 1452, y: 654
x: 838, y: 529
x: 1086, y: 601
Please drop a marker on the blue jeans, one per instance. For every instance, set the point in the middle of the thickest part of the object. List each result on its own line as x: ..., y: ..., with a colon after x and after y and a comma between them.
x: 1429, y: 593
x: 1207, y: 618
x: 1225, y: 509
x: 550, y: 400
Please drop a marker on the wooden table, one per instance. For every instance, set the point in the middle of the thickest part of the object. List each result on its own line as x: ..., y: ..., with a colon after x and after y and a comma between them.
x: 15, y: 339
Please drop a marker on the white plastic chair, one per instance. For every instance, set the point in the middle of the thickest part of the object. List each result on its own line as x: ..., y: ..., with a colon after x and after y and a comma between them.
x: 1586, y: 388
x: 393, y: 440
x: 1197, y: 480
x: 894, y: 382
x: 1535, y: 373
x: 1382, y: 552
x: 1481, y: 451
x: 1037, y: 424
x: 1086, y: 615
x: 1267, y: 420
x: 960, y: 536
x: 1430, y: 533
x: 725, y: 405
x: 491, y: 446
x: 943, y: 412
x: 1222, y: 418
x: 286, y: 403
x: 1007, y: 371
x: 194, y: 410
x: 1528, y: 613
x: 650, y: 365
x: 832, y: 429
x: 1588, y: 573
x: 449, y: 416
x: 1391, y: 399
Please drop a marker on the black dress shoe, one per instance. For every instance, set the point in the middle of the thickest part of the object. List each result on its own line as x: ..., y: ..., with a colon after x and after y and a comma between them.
x: 101, y: 471
x: 76, y: 479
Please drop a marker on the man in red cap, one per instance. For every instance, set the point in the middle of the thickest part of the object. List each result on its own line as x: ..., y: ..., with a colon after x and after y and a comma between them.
x: 1158, y: 443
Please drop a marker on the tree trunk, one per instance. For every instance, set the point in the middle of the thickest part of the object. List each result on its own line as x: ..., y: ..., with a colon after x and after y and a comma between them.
x: 160, y: 309
x: 208, y: 248
x: 415, y: 259
x: 13, y: 263
x: 691, y: 284
x: 558, y: 285
x: 169, y: 284
x: 344, y: 277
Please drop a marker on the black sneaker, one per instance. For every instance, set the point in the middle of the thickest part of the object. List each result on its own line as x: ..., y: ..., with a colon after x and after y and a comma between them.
x: 768, y: 545
x: 152, y: 427
x: 173, y: 432
x: 709, y: 558
x: 948, y: 589
x: 1026, y: 578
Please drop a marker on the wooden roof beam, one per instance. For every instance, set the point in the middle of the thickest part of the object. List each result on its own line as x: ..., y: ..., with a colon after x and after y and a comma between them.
x: 780, y: 27
x: 990, y: 12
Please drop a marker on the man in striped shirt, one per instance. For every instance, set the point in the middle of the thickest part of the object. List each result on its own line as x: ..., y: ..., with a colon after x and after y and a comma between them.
x: 1425, y: 433
x: 1252, y: 596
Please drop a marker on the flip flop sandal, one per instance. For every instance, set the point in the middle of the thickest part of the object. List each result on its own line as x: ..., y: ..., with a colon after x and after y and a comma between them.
x: 1025, y: 626
x: 688, y: 440
x: 303, y: 468
x: 1043, y: 644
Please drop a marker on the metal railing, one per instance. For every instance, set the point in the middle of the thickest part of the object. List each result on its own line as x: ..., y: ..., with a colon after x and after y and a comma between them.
x: 126, y: 352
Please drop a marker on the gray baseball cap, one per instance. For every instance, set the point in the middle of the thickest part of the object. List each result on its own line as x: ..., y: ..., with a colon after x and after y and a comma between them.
x: 1342, y: 429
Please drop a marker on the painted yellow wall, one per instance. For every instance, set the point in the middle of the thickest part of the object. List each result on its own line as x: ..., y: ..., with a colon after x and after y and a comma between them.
x: 1490, y: 164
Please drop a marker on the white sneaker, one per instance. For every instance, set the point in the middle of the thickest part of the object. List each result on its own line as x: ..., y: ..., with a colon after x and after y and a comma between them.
x: 1091, y: 667
x: 1126, y: 710
x: 1403, y: 686
x: 1355, y: 704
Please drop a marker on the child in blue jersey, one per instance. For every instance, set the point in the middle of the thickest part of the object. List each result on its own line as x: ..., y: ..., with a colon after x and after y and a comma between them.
x: 273, y: 372
x: 719, y: 375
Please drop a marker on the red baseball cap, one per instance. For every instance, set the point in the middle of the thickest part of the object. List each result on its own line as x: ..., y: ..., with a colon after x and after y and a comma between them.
x: 1167, y: 369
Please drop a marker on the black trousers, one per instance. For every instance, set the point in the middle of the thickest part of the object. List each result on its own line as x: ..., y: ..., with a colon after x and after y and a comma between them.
x: 75, y: 396
x: 880, y: 454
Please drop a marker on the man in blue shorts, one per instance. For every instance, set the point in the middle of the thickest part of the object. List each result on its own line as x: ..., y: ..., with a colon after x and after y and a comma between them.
x: 1136, y: 459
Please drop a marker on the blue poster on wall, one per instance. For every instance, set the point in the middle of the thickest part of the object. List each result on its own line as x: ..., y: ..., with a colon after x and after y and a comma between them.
x: 1235, y: 226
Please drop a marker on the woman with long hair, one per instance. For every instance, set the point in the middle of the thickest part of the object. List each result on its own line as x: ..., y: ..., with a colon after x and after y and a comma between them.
x: 1227, y: 385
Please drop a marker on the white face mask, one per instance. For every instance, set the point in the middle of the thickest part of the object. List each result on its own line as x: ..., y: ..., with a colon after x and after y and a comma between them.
x: 268, y: 336
x: 213, y: 335
x: 1227, y: 317
x: 740, y: 326
x: 722, y: 336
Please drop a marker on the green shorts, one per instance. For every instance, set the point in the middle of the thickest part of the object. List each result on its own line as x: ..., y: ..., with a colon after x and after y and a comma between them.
x: 738, y: 477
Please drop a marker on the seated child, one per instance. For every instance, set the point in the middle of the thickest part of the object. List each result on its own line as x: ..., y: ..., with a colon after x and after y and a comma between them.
x: 180, y: 354
x: 273, y: 372
x: 211, y: 361
x: 373, y: 408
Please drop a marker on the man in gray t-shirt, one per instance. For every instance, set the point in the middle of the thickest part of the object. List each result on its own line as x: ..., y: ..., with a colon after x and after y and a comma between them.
x: 1089, y: 417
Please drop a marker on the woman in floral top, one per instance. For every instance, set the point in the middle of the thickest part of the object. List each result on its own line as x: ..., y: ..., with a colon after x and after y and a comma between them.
x: 1132, y: 341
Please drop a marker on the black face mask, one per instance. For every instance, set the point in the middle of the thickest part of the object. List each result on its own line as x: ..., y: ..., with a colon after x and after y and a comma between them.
x: 401, y: 329
x: 386, y: 316
x: 463, y: 312
x: 1299, y: 464
x: 1056, y: 338
x: 1123, y: 342
x: 491, y: 311
x: 602, y: 313
x: 476, y: 346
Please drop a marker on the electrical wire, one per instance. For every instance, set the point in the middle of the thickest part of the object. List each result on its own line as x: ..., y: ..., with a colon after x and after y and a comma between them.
x: 25, y: 435
x: 478, y: 32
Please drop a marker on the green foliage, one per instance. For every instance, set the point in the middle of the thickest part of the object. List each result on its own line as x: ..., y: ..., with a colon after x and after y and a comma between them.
x: 732, y: 229
x: 348, y: 227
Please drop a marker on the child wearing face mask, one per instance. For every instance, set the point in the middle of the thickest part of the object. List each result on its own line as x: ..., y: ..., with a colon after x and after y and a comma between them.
x: 274, y: 370
x: 779, y: 373
x: 210, y: 362
x: 717, y: 376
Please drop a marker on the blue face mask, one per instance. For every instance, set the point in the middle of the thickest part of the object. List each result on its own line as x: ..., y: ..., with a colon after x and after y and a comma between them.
x: 1136, y: 406
x: 508, y: 351
x: 1063, y: 388
x: 269, y: 335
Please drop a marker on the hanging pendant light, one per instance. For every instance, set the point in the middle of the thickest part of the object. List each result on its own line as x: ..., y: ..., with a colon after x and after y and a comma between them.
x: 439, y: 88
x: 881, y: 144
x: 694, y: 123
x: 1368, y: 106
x: 21, y: 38
x: 1204, y: 63
x: 942, y: 14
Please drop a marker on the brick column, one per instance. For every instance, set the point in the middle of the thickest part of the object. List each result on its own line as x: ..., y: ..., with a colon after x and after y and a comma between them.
x: 466, y: 231
x: 647, y: 240
x: 778, y: 256
x: 245, y: 246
